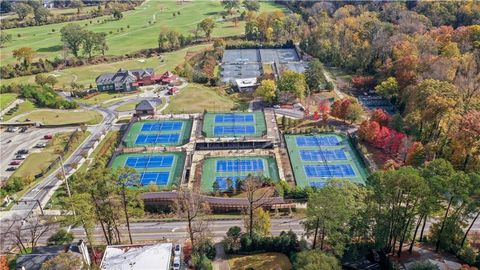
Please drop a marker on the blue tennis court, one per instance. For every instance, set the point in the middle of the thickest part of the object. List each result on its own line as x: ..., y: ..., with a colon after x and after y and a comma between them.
x: 159, y: 178
x: 318, y: 184
x: 150, y: 161
x: 162, y: 126
x: 323, y: 154
x: 157, y: 138
x: 234, y: 130
x: 333, y: 170
x: 317, y: 141
x: 239, y: 165
x: 230, y: 118
x: 222, y: 181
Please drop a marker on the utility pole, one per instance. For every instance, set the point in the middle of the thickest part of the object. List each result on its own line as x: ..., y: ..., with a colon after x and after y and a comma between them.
x: 65, y: 176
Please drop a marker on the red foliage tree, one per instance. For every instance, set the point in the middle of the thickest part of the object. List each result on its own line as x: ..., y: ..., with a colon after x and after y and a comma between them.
x: 316, y: 116
x: 369, y: 131
x: 380, y: 116
x: 362, y: 82
x: 415, y: 154
x: 324, y: 109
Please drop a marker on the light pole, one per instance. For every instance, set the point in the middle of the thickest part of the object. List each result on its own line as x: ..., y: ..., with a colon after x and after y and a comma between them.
x: 65, y: 176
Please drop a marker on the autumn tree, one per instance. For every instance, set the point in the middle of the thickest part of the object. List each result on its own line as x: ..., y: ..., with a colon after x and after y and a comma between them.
x: 192, y: 208
x: 380, y: 116
x: 291, y: 81
x: 207, y: 26
x: 22, y: 10
x: 261, y: 222
x: 267, y: 91
x: 256, y: 199
x: 230, y: 5
x: 24, y: 55
x: 314, y: 75
x: 388, y: 88
x: 251, y: 5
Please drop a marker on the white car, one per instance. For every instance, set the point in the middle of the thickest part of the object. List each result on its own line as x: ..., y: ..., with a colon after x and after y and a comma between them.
x: 176, y: 263
x: 177, y: 250
x: 20, y: 157
x: 41, y: 145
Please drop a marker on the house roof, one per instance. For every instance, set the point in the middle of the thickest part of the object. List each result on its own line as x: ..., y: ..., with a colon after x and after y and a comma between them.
x: 42, y: 254
x: 123, y: 76
x: 144, y: 257
x: 144, y: 105
x: 247, y: 82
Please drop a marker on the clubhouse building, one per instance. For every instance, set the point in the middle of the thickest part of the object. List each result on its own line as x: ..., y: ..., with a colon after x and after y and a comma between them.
x: 129, y: 80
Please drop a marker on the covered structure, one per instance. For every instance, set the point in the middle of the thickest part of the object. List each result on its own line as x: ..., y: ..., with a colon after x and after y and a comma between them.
x: 145, y: 108
x: 137, y: 257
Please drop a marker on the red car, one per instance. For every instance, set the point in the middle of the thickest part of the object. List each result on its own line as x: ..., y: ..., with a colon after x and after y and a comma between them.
x: 15, y: 162
x: 48, y: 137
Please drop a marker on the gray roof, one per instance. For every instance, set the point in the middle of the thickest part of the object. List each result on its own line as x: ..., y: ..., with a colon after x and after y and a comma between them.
x: 144, y: 105
x: 122, y: 76
x: 42, y: 254
x: 140, y: 73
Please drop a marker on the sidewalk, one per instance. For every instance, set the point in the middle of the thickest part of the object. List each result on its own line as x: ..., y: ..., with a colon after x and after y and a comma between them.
x: 220, y: 262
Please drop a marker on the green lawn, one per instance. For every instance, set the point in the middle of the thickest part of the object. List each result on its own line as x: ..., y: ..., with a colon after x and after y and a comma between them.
x: 86, y: 74
x: 127, y: 106
x: 24, y: 107
x: 6, y: 99
x: 196, y: 98
x: 102, y: 97
x: 262, y: 261
x: 137, y: 33
x: 59, y: 117
x: 37, y: 162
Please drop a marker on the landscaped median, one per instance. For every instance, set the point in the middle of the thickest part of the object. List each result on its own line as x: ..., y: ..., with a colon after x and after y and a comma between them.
x: 63, y: 117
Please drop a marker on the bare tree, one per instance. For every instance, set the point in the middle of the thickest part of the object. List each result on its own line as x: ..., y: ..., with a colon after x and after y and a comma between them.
x: 192, y: 208
x: 256, y: 198
x: 36, y: 228
x: 25, y: 233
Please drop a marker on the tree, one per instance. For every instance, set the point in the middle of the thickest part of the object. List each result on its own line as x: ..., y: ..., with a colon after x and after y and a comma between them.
x: 192, y: 208
x: 85, y: 213
x: 41, y: 15
x: 117, y: 14
x: 63, y: 261
x: 368, y: 131
x: 380, y: 116
x: 354, y: 112
x: 424, y: 265
x: 266, y: 91
x: 251, y: 5
x: 314, y: 259
x: 22, y: 10
x: 207, y: 26
x: 388, y: 88
x: 256, y: 199
x: 61, y: 237
x: 41, y: 79
x: 24, y: 55
x: 4, y: 38
x: 72, y: 37
x: 229, y: 5
x: 293, y: 82
x: 261, y: 222
x: 94, y: 42
x: 314, y: 75
x: 328, y: 215
x: 130, y: 201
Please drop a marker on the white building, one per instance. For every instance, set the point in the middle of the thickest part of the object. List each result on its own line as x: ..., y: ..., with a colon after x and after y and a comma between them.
x: 137, y: 257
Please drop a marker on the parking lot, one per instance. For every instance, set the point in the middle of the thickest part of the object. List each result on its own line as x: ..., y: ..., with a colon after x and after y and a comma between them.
x: 12, y: 142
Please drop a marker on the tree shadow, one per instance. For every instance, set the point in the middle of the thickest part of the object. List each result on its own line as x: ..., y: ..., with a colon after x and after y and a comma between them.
x: 51, y: 49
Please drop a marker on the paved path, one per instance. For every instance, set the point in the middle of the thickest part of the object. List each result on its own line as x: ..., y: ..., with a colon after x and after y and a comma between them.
x: 329, y: 78
x: 220, y: 262
x: 13, y: 104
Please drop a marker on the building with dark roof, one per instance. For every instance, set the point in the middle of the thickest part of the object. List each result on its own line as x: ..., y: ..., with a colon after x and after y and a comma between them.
x: 144, y: 108
x: 123, y: 80
x: 39, y: 255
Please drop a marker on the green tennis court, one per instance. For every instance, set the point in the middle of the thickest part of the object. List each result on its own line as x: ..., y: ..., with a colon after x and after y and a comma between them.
x: 235, y: 124
x: 318, y: 158
x: 162, y: 169
x: 226, y: 171
x: 172, y: 132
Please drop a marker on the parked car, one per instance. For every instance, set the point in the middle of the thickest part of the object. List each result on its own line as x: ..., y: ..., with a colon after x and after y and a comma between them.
x: 15, y: 162
x: 48, y: 137
x: 41, y: 145
x: 177, y: 250
x: 22, y: 152
x: 20, y: 157
x: 23, y: 129
x: 12, y: 129
x: 9, y: 169
x: 176, y: 263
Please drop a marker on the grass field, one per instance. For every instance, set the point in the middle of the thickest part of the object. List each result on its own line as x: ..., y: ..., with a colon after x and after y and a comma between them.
x: 86, y: 74
x: 62, y: 117
x: 35, y: 163
x: 262, y: 261
x: 195, y: 98
x: 102, y: 97
x: 24, y: 107
x: 137, y: 32
x: 6, y: 99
